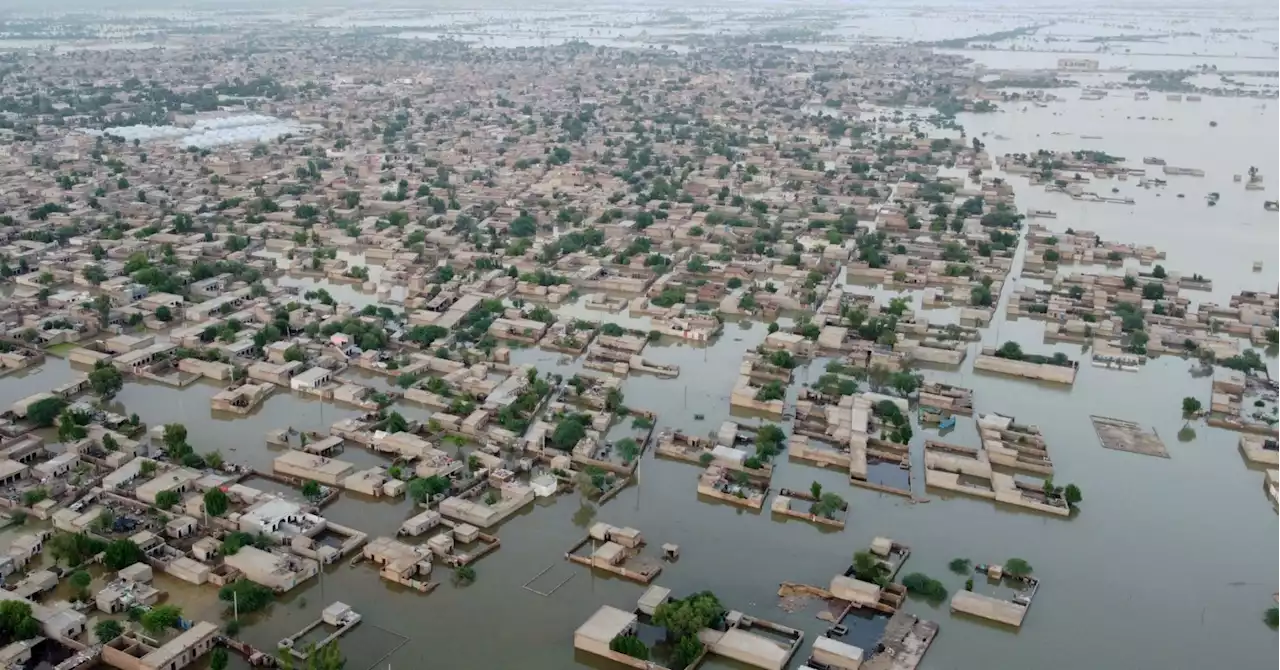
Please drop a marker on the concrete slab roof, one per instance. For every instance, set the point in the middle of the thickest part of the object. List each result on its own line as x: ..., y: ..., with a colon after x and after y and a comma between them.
x: 987, y: 607
x: 742, y: 645
x: 607, y: 623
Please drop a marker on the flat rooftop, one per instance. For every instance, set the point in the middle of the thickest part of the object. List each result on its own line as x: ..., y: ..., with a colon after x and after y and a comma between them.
x: 320, y: 464
x: 607, y: 623
x: 987, y: 607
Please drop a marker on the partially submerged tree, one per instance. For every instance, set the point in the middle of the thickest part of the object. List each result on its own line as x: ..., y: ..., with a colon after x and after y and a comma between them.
x: 1272, y: 617
x: 828, y: 505
x: 925, y: 586
x: 869, y: 568
x: 686, y: 616
x: 247, y: 596
x: 1017, y: 567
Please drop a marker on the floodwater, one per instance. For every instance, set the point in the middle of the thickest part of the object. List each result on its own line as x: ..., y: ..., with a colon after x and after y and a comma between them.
x: 1165, y: 554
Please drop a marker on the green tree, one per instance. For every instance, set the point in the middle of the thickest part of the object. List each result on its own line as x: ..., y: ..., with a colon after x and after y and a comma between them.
x: 216, y: 502
x: 815, y: 490
x: 311, y: 490
x: 828, y: 506
x: 685, y: 617
x: 32, y: 497
x: 248, y: 596
x: 70, y: 430
x: 1191, y: 405
x: 167, y: 499
x: 613, y: 400
x: 1272, y: 617
x: 396, y: 423
x: 1072, y: 495
x: 44, y: 412
x: 905, y: 383
x: 218, y: 659
x: 960, y: 566
x: 105, y: 380
x: 424, y: 489
x: 464, y: 575
x: 688, y: 648
x: 74, y: 548
x: 568, y: 432
x: 94, y: 274
x: 122, y: 553
x: 1010, y: 350
x: 17, y: 622
x: 174, y: 434
x: 629, y: 645
x: 1017, y: 567
x: 80, y: 581
x: 773, y: 390
x: 108, y: 629
x: 925, y: 586
x: 628, y: 449
x: 163, y: 313
x: 869, y: 568
x: 161, y: 618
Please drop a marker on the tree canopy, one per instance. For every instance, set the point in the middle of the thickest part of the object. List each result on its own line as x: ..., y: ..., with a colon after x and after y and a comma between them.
x: 216, y: 502
x: 44, y: 412
x: 685, y: 617
x: 105, y: 380
x: 107, y: 629
x: 160, y: 618
x: 247, y: 595
x: 122, y: 553
x: 16, y: 622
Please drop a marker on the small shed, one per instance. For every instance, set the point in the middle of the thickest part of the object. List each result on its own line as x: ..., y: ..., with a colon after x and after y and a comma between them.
x: 611, y: 553
x: 440, y: 544
x: 729, y: 454
x: 466, y: 533
x: 837, y: 655
x: 138, y: 572
x: 337, y: 614
x: 656, y: 595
